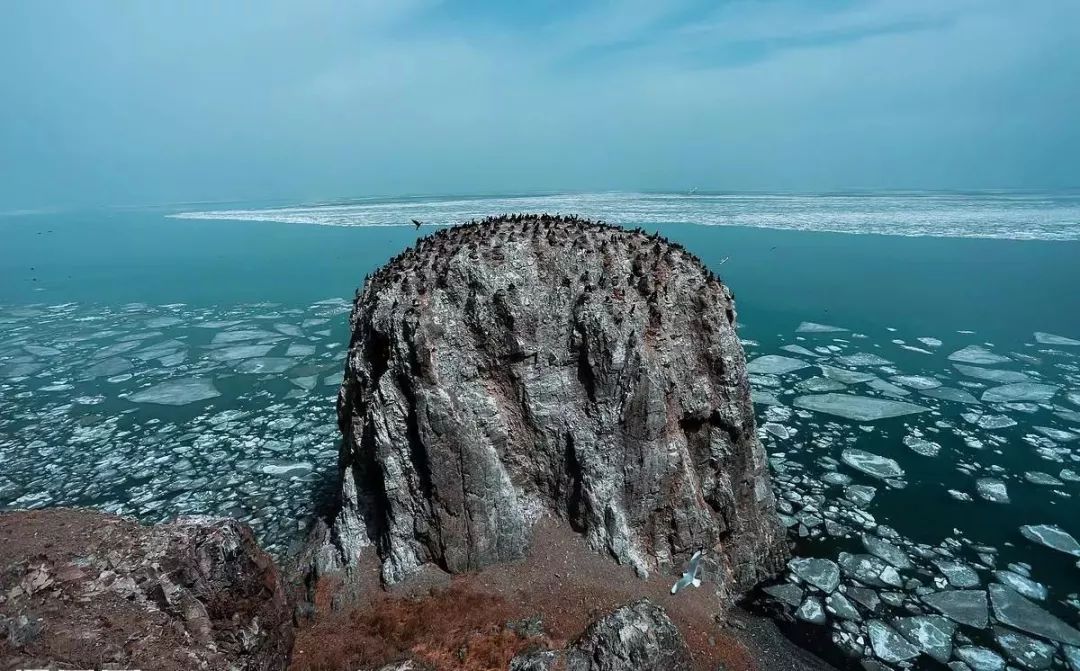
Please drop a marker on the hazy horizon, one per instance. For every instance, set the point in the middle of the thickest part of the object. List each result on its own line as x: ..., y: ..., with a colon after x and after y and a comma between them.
x: 130, y: 104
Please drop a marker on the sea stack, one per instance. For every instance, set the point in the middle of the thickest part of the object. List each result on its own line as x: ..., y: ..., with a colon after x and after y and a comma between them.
x: 532, y: 365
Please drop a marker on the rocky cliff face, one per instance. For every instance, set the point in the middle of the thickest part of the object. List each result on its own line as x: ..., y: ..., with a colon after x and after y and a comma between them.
x: 81, y: 589
x: 523, y: 366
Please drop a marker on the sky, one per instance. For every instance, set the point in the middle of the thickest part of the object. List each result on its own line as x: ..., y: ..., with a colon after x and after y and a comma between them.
x: 126, y: 102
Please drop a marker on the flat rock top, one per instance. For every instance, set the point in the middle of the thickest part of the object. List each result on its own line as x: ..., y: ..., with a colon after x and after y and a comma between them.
x: 511, y: 238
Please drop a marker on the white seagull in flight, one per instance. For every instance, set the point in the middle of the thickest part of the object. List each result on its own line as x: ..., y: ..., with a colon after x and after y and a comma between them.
x: 689, y: 577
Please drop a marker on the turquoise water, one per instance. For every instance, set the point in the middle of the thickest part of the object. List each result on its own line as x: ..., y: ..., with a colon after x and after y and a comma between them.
x: 80, y: 287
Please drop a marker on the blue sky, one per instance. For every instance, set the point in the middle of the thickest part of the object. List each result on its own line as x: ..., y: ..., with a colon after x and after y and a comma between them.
x: 145, y: 102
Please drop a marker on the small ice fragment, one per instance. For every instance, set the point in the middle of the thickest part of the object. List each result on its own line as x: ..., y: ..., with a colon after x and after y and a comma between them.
x: 821, y: 573
x: 1015, y: 611
x: 775, y: 364
x: 1052, y: 536
x: 978, y: 355
x: 858, y: 408
x: 888, y: 645
x: 813, y: 327
x: 177, y: 392
x: 992, y: 489
x: 1056, y: 340
x: 963, y: 606
x: 918, y: 382
x: 1020, y: 391
x: 950, y: 394
x: 992, y: 374
x: 863, y: 359
x: 872, y: 464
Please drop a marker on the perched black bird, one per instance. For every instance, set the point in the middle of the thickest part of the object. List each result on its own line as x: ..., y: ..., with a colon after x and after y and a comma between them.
x: 417, y: 223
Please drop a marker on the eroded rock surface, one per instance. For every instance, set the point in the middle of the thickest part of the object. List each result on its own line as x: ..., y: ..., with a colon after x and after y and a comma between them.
x: 526, y: 366
x: 82, y: 589
x: 637, y: 637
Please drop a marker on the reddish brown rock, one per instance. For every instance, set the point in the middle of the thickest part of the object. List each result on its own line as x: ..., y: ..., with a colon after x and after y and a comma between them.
x: 81, y: 589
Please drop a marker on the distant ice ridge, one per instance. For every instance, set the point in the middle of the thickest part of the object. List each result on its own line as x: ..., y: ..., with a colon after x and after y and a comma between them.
x: 990, y: 215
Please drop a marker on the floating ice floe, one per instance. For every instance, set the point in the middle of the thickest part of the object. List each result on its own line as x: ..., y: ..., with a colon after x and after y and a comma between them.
x: 1022, y: 584
x: 965, y: 606
x: 846, y: 376
x: 108, y: 367
x: 888, y: 645
x: 177, y: 392
x: 921, y: 446
x: 933, y: 634
x: 229, y: 337
x: 917, y: 382
x: 268, y: 364
x: 1056, y: 340
x: 774, y: 364
x: 1012, y: 609
x: 786, y: 593
x: 992, y: 489
x: 811, y: 611
x: 813, y: 327
x: 821, y: 573
x: 858, y: 408
x: 818, y: 385
x: 1052, y: 536
x: 286, y: 469
x: 979, y: 658
x: 1040, y: 478
x: 238, y: 352
x: 992, y: 374
x: 1028, y: 652
x: 300, y: 350
x: 1020, y: 391
x: 978, y: 355
x: 887, y: 388
x: 756, y: 396
x: 871, y: 464
x: 930, y: 342
x: 883, y: 549
x: 959, y: 575
x: 1056, y: 434
x: 863, y: 359
x: 950, y: 394
x: 799, y: 349
x: 991, y: 422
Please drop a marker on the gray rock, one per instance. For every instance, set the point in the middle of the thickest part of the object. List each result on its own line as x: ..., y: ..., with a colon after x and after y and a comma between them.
x: 1028, y: 652
x: 508, y: 369
x: 638, y: 637
x: 932, y: 634
x: 963, y: 606
x: 1014, y: 610
x: 196, y: 593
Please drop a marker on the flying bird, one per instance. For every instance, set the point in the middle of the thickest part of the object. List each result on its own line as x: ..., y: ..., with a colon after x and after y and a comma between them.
x: 417, y: 223
x: 689, y: 577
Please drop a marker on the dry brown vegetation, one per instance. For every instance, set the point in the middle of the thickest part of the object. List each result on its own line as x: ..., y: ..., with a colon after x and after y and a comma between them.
x: 451, y: 628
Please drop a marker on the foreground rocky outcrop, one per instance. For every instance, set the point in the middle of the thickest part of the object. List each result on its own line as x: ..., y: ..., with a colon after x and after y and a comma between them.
x: 530, y: 365
x: 636, y: 637
x: 82, y: 589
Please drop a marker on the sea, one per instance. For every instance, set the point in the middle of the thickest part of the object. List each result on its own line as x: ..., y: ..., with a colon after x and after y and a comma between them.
x: 915, y: 360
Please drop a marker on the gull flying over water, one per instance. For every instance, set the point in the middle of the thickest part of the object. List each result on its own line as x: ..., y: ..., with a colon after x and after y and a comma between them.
x: 417, y: 223
x: 689, y: 577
